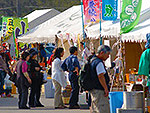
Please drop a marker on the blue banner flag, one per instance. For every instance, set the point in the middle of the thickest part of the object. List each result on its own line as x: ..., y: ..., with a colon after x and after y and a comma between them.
x: 109, y: 9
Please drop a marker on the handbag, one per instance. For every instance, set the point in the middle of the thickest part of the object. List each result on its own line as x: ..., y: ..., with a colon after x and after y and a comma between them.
x: 50, y: 71
x: 13, y: 78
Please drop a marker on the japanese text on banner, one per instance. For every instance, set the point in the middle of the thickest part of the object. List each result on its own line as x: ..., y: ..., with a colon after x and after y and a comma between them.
x: 109, y: 9
x: 91, y: 11
x: 130, y: 15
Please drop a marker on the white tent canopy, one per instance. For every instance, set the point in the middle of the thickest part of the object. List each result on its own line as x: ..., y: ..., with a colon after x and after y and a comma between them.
x: 112, y: 28
x: 69, y: 21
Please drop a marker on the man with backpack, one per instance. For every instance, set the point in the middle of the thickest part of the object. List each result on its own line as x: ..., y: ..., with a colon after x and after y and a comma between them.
x: 71, y: 64
x: 99, y: 92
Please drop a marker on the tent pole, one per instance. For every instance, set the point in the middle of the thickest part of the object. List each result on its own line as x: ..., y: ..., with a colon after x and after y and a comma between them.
x: 82, y: 21
x: 100, y: 6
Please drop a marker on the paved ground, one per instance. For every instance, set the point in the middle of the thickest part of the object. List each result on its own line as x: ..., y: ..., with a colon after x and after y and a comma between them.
x: 9, y: 105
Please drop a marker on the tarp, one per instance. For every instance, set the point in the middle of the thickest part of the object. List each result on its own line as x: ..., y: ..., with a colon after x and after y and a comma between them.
x: 37, y: 17
x: 69, y: 21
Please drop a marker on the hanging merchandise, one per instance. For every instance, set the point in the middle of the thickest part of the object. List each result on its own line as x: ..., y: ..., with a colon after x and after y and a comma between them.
x: 74, y: 38
x: 109, y: 9
x: 91, y: 47
x: 68, y: 38
x: 62, y: 41
x: 86, y: 53
x: 130, y: 14
x: 79, y: 42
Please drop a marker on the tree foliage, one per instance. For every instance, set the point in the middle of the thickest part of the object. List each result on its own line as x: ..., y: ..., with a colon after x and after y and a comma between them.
x: 23, y: 7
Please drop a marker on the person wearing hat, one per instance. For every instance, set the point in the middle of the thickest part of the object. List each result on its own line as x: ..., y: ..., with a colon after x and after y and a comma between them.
x: 37, y: 78
x: 144, y: 64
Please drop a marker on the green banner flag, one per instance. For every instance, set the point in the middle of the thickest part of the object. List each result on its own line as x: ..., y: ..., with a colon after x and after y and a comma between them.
x: 20, y: 28
x: 130, y: 14
x: 11, y: 29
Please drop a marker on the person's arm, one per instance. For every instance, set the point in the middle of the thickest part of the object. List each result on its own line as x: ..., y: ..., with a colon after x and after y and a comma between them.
x: 3, y: 65
x: 43, y: 59
x: 100, y: 72
x: 77, y: 65
x: 24, y: 71
x: 103, y: 83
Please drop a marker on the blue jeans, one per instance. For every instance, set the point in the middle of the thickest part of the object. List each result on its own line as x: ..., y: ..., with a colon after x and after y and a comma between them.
x: 2, y: 77
x: 75, y: 90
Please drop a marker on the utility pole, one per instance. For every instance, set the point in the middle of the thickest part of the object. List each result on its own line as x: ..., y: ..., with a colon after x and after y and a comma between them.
x: 18, y: 8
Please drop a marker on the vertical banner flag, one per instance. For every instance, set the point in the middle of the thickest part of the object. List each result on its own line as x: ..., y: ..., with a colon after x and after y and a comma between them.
x: 7, y: 28
x: 130, y: 14
x: 91, y: 11
x: 109, y: 9
x: 20, y: 28
x: 11, y: 29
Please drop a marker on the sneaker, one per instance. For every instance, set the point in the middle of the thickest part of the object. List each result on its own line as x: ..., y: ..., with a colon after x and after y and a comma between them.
x: 9, y: 95
x: 32, y: 106
x: 24, y: 107
x: 3, y: 95
x: 74, y: 107
x: 39, y: 105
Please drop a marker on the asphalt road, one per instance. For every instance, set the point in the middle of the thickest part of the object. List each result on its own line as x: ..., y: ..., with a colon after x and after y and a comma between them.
x: 9, y: 105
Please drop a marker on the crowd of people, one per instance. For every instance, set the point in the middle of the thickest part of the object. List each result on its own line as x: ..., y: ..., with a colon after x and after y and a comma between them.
x: 28, y: 74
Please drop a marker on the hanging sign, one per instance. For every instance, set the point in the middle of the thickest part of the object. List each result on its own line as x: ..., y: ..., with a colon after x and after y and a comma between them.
x: 109, y: 9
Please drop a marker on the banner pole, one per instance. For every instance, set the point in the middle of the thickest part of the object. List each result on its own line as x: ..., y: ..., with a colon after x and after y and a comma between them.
x: 100, y: 6
x: 82, y: 21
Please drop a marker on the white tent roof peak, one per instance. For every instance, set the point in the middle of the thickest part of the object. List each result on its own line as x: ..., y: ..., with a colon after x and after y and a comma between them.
x: 69, y: 21
x: 37, y: 17
x: 35, y: 14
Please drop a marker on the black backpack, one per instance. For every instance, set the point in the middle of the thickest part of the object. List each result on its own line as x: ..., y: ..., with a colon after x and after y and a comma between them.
x: 85, y: 79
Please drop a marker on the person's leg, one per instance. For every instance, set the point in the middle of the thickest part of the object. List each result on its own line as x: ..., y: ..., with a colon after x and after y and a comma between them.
x: 32, y: 95
x: 20, y: 95
x: 58, y: 97
x: 2, y: 77
x: 74, y: 93
x: 24, y: 97
x: 100, y: 103
x: 89, y: 100
x: 38, y: 95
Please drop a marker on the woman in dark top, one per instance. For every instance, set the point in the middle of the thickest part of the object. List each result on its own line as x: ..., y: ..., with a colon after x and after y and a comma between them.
x: 37, y: 78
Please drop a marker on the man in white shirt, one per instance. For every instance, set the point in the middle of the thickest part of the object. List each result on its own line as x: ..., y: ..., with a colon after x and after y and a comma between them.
x: 99, y: 94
